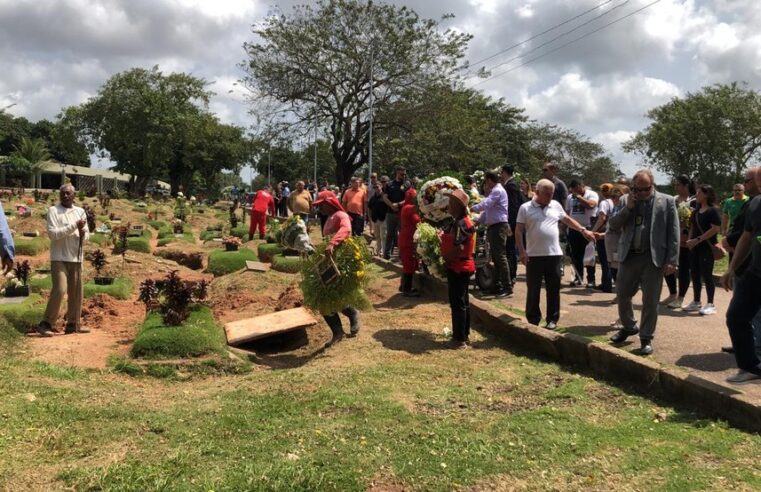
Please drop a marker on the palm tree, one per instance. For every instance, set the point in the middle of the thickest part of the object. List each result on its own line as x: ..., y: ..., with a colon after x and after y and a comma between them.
x: 34, y: 151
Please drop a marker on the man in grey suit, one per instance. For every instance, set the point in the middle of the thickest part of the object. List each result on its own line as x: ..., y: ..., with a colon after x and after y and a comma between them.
x: 649, y: 248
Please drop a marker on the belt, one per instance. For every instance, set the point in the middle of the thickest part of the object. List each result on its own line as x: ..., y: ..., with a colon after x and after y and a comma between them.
x: 496, y: 224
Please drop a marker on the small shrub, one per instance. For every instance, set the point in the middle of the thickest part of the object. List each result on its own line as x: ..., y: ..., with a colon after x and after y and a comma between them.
x: 286, y: 264
x: 222, y: 262
x: 31, y: 246
x: 172, y: 297
x: 98, y: 261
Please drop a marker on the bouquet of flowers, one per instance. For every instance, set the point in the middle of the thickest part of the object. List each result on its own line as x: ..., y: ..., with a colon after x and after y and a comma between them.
x: 347, y: 288
x: 429, y: 249
x: 434, y: 198
x: 685, y: 211
x: 295, y: 235
x: 232, y: 240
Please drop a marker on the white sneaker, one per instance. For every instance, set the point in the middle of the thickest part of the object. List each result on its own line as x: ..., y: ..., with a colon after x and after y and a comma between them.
x: 742, y: 377
x: 668, y: 300
x: 676, y: 303
x: 692, y: 307
x: 708, y: 309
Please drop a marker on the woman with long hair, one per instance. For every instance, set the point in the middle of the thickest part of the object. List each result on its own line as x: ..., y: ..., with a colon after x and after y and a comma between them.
x: 705, y: 224
x: 527, y: 189
x: 685, y: 202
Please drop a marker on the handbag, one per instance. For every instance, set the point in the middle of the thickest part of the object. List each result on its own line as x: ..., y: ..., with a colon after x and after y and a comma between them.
x: 716, y: 250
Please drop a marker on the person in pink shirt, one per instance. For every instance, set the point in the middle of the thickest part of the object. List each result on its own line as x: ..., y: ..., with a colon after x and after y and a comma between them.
x: 337, y: 228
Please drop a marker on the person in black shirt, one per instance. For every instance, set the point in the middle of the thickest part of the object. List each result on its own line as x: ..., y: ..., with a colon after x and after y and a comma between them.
x: 549, y: 171
x: 705, y: 224
x: 377, y: 209
x: 514, y: 202
x: 393, y: 196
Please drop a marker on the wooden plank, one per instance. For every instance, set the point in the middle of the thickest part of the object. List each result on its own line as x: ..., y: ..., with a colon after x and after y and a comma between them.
x: 257, y: 266
x: 246, y: 330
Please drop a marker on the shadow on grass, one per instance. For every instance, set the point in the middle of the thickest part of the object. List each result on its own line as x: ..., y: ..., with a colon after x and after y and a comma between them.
x: 713, y: 362
x: 416, y: 342
x: 398, y: 301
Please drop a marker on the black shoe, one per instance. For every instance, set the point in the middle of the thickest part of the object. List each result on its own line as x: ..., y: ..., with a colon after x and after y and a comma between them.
x: 336, y: 338
x: 44, y: 330
x: 411, y: 293
x: 646, y: 348
x: 728, y: 350
x: 73, y: 329
x: 503, y: 294
x: 622, y: 334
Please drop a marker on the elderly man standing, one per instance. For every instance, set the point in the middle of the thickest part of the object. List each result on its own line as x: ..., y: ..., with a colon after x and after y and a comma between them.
x: 7, y: 248
x: 542, y: 254
x: 300, y: 201
x: 67, y: 229
x: 494, y: 214
x: 648, y: 250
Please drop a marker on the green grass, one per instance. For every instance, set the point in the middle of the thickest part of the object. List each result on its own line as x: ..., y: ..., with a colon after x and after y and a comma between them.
x: 100, y: 239
x: 156, y: 224
x: 241, y: 231
x: 267, y: 251
x: 209, y: 235
x: 286, y: 264
x: 166, y: 235
x: 25, y: 316
x: 120, y: 289
x: 9, y: 336
x: 199, y: 335
x: 40, y: 284
x: 222, y: 262
x: 140, y: 244
x: 31, y: 246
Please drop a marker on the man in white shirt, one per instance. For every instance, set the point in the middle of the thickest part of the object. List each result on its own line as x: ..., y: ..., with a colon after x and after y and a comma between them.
x: 542, y: 254
x: 67, y: 230
x: 582, y: 207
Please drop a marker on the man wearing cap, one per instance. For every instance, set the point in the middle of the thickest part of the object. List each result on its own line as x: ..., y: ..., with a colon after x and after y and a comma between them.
x: 337, y: 224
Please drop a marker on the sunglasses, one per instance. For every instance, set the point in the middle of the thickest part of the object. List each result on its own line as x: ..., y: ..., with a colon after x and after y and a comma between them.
x: 641, y: 190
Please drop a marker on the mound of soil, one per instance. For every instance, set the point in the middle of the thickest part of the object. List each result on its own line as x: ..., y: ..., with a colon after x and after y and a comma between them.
x: 97, y: 309
x: 291, y: 297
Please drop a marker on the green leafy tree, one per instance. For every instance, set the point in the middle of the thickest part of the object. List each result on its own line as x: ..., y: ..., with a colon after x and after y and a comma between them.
x: 710, y: 135
x: 29, y: 156
x: 12, y: 130
x: 576, y: 156
x: 138, y: 118
x: 315, y: 65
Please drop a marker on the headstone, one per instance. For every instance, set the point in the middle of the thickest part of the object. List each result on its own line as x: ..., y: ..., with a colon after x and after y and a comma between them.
x: 256, y: 266
x: 246, y: 330
x: 12, y: 300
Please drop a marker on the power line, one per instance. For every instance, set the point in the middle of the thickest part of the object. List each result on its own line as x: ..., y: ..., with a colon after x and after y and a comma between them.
x: 542, y: 33
x: 567, y: 44
x: 563, y: 34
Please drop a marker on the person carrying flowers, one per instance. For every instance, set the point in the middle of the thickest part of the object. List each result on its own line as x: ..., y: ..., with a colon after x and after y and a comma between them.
x: 408, y: 221
x: 457, y: 243
x: 337, y: 229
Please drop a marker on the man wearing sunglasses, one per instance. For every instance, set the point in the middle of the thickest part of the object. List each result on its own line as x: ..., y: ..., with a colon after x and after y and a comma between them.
x: 649, y: 249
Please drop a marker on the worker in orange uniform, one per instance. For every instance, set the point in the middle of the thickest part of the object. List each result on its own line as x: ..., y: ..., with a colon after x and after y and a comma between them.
x: 262, y: 205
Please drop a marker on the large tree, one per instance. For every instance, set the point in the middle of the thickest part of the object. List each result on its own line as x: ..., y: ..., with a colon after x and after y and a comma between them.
x: 138, y: 118
x: 710, y: 135
x: 441, y: 127
x: 321, y: 63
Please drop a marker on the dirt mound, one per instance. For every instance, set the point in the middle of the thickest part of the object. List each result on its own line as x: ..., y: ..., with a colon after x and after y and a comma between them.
x: 98, y: 308
x: 292, y: 297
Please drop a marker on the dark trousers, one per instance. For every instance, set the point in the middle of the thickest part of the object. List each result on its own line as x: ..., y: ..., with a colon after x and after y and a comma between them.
x: 497, y: 236
x: 357, y: 224
x: 683, y: 274
x: 392, y: 230
x: 512, y: 254
x: 459, y: 303
x: 746, y: 301
x: 323, y: 219
x: 578, y: 244
x: 545, y: 268
x: 607, y: 279
x: 334, y: 321
x: 701, y: 268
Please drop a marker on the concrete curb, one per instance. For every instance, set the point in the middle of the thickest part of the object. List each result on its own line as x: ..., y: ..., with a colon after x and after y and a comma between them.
x: 672, y: 384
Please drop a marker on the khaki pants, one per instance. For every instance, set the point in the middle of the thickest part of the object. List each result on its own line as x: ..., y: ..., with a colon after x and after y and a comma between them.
x: 379, y: 231
x: 67, y: 279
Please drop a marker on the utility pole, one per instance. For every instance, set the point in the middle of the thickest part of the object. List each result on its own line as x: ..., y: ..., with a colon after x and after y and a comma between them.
x: 315, y: 153
x: 269, y: 165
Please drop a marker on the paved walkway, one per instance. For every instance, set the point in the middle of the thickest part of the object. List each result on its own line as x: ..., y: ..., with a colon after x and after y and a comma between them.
x: 687, y: 340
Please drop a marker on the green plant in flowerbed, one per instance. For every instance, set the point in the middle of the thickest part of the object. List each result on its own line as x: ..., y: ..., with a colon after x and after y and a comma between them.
x: 177, y: 325
x: 222, y: 262
x: 328, y: 293
x: 31, y: 246
x: 266, y: 252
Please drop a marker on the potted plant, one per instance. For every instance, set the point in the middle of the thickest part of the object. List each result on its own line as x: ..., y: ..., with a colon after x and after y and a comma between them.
x: 172, y: 297
x: 17, y: 285
x: 98, y: 261
x: 231, y: 243
x: 177, y: 226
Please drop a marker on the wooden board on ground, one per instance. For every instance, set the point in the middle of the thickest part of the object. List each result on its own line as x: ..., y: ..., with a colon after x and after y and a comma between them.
x: 257, y: 266
x: 246, y: 330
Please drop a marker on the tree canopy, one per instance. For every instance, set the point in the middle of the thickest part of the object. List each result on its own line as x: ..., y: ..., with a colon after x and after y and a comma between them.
x: 710, y: 135
x: 321, y: 64
x: 60, y: 141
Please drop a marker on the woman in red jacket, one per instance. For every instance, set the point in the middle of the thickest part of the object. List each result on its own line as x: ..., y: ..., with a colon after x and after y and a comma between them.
x: 408, y: 221
x: 457, y: 250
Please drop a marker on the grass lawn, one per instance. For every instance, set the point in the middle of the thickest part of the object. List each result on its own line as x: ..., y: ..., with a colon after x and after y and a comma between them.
x: 166, y: 235
x: 100, y: 239
x: 31, y: 246
x: 199, y: 335
x: 267, y: 251
x: 24, y: 316
x: 120, y: 289
x: 286, y: 264
x: 222, y: 262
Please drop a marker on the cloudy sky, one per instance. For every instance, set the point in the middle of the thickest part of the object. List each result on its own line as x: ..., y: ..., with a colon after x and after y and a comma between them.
x: 56, y: 53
